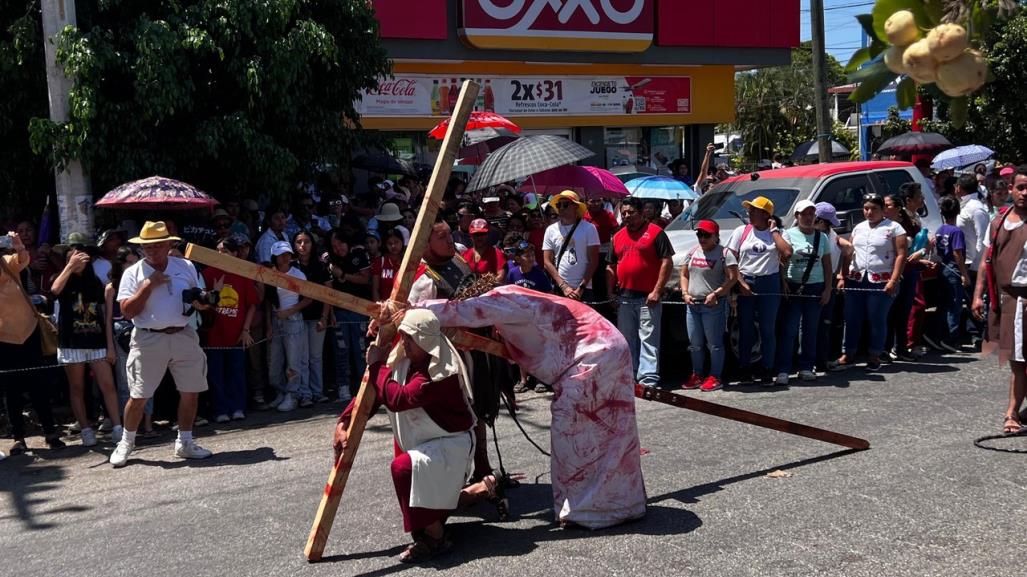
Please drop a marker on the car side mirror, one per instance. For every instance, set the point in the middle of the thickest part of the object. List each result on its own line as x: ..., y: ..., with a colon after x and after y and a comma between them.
x: 846, y: 224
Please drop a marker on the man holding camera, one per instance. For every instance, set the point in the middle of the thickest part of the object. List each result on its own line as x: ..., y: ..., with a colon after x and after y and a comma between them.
x: 152, y: 295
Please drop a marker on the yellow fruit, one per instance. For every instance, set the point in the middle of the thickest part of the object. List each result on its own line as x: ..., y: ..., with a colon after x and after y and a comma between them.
x: 946, y: 42
x: 964, y: 74
x: 893, y: 59
x: 919, y: 64
x: 901, y: 28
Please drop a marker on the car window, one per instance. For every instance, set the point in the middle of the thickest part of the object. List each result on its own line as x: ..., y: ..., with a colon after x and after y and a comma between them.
x: 783, y: 199
x: 845, y: 193
x: 892, y: 180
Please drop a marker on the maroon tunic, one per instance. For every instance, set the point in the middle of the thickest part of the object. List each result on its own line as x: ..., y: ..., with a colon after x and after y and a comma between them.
x: 444, y: 403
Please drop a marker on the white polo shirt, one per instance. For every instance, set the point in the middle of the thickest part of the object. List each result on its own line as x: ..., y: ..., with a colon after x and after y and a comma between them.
x: 874, y: 250
x: 164, y: 306
x: 973, y: 221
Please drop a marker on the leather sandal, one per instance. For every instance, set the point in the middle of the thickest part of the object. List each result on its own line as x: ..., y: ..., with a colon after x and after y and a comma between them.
x: 424, y: 548
x: 1012, y: 426
x: 497, y: 495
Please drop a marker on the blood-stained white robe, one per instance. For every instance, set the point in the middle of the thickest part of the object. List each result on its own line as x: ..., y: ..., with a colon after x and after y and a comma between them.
x: 596, y: 467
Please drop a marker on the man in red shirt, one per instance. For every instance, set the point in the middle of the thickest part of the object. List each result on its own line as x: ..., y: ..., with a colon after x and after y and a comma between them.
x: 226, y: 368
x: 640, y: 265
x: 483, y: 257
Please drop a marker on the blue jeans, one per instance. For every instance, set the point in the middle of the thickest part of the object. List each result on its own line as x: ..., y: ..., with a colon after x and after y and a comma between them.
x: 872, y: 306
x: 706, y: 326
x: 762, y: 306
x: 351, y: 343
x: 226, y: 374
x: 951, y: 303
x: 898, y: 318
x: 640, y: 325
x: 311, y: 384
x: 801, y: 309
x: 288, y: 355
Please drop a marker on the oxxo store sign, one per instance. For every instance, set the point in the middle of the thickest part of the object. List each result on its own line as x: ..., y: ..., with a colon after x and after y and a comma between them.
x: 582, y: 25
x: 433, y: 95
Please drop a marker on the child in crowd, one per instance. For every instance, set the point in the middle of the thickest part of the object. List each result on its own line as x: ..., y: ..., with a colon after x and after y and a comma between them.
x: 952, y: 250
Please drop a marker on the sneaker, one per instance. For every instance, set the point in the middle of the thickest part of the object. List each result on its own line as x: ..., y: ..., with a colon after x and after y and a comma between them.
x: 873, y: 365
x: 807, y: 376
x: 781, y: 380
x: 920, y: 351
x: 521, y: 387
x: 745, y: 378
x: 53, y: 441
x: 88, y: 438
x: 541, y: 388
x: 932, y: 343
x: 321, y: 399
x: 238, y: 416
x: 222, y: 419
x: 887, y: 357
x: 106, y: 425
x: 189, y: 450
x: 904, y: 356
x: 288, y: 404
x: 116, y: 433
x: 693, y: 382
x: 200, y: 422
x: 304, y: 403
x: 258, y: 399
x: 949, y: 347
x: 75, y: 428
x: 274, y: 403
x: 120, y: 455
x: 837, y: 366
x: 711, y: 384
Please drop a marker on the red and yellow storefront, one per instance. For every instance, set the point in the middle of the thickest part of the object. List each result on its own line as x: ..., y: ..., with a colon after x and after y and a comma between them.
x: 637, y: 81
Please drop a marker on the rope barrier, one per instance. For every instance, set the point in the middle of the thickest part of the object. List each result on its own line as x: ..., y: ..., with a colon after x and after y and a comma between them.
x: 755, y: 294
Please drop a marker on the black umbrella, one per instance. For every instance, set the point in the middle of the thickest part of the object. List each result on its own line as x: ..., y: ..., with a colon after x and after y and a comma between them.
x: 526, y: 156
x: 915, y: 143
x: 383, y: 163
x: 811, y: 151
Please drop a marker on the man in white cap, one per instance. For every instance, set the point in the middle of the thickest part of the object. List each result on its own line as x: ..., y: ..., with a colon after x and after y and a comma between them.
x: 425, y: 388
x: 151, y: 296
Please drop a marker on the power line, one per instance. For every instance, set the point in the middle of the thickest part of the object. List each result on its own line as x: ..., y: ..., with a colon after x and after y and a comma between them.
x: 845, y: 6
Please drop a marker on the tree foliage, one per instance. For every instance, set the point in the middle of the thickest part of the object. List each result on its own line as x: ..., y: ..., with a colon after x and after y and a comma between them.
x: 24, y: 177
x: 775, y: 106
x: 234, y: 96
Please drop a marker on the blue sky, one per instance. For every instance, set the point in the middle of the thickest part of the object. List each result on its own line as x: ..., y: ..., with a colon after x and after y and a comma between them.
x: 841, y: 29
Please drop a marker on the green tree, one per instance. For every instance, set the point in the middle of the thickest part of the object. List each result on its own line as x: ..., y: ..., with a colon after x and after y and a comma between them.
x: 234, y: 96
x: 25, y: 179
x: 775, y: 106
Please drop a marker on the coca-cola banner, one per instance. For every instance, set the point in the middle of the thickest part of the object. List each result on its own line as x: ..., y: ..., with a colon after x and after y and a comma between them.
x: 621, y: 25
x: 424, y: 95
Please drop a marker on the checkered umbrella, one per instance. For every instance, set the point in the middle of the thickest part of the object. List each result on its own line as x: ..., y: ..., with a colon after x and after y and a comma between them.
x: 526, y: 156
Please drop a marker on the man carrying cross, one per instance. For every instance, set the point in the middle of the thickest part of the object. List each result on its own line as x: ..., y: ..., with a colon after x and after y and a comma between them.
x: 425, y: 388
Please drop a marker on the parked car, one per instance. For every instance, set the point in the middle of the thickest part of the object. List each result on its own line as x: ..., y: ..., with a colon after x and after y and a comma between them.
x: 843, y: 184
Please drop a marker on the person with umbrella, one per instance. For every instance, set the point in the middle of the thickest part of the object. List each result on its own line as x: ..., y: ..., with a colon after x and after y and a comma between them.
x: 570, y: 248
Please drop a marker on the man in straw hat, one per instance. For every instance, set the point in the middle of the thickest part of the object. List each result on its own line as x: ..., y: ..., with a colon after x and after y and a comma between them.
x: 570, y: 248
x: 425, y: 388
x: 151, y: 296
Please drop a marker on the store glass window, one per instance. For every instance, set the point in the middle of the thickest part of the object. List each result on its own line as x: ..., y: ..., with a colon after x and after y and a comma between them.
x: 649, y: 147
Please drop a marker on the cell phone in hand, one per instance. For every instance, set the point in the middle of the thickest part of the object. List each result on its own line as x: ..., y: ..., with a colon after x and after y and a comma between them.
x: 6, y: 243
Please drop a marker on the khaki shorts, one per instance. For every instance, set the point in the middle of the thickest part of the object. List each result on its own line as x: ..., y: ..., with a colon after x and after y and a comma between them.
x: 151, y: 354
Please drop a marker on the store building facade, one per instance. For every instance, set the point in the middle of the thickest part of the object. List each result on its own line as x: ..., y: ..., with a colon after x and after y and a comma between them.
x: 640, y: 82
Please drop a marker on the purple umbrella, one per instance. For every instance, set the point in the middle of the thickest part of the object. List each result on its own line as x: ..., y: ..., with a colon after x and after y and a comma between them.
x: 156, y: 193
x: 587, y: 181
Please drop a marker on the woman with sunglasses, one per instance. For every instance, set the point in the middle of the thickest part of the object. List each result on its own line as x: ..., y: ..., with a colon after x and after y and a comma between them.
x: 760, y: 248
x: 707, y: 275
x: 879, y: 255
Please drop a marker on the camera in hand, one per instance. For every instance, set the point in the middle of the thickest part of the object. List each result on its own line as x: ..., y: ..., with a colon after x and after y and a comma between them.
x: 201, y: 296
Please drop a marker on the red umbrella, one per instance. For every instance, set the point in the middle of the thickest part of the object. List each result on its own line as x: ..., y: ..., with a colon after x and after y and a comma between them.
x: 587, y: 181
x: 156, y: 193
x: 477, y: 121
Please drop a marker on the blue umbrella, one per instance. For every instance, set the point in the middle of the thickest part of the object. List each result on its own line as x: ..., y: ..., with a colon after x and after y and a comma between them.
x: 660, y: 188
x: 961, y: 156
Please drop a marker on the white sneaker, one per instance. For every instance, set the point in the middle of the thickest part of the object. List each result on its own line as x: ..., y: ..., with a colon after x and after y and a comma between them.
x: 288, y: 404
x: 116, y: 433
x: 222, y: 419
x: 807, y: 376
x: 782, y: 379
x: 120, y: 455
x: 190, y: 450
x: 88, y: 438
x: 238, y: 416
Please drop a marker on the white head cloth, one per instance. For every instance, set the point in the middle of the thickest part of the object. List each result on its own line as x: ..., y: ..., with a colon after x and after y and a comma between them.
x: 423, y: 326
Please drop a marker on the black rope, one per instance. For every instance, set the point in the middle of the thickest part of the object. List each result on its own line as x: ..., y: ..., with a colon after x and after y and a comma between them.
x: 513, y: 415
x: 979, y: 443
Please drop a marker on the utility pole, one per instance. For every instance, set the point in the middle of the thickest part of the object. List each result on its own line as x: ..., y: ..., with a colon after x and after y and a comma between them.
x: 816, y: 9
x: 74, y: 195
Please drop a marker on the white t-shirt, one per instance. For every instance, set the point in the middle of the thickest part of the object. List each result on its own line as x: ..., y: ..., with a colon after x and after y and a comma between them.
x: 836, y: 250
x: 973, y: 221
x: 574, y: 263
x: 287, y: 298
x: 874, y: 250
x: 164, y: 306
x: 757, y: 254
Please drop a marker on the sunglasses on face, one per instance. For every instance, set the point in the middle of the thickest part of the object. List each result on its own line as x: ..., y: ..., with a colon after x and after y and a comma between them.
x: 870, y: 197
x: 517, y: 250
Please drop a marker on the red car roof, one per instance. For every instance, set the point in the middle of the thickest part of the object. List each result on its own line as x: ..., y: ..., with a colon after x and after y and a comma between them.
x: 817, y: 171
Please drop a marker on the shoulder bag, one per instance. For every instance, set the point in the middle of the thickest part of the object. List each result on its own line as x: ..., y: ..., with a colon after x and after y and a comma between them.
x: 47, y: 329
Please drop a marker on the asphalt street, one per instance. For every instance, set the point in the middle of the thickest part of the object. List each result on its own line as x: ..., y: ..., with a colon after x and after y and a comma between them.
x: 922, y: 501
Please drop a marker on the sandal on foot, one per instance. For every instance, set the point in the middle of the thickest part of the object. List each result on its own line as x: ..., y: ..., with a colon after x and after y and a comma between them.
x: 1012, y: 426
x: 838, y: 366
x: 496, y: 495
x: 18, y: 448
x: 424, y: 548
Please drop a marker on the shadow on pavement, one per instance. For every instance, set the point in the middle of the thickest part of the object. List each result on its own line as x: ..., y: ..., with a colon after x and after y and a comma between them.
x: 221, y: 459
x: 25, y: 482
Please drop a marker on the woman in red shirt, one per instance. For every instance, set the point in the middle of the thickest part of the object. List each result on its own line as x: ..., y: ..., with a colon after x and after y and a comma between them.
x: 384, y: 268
